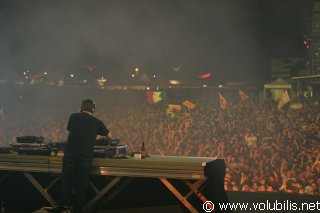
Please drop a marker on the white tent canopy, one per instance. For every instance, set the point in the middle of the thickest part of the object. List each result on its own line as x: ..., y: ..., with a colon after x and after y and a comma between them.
x: 279, y: 83
x: 277, y: 88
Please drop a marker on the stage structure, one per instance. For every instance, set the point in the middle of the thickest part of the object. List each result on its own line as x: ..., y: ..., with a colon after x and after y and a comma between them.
x: 189, y: 170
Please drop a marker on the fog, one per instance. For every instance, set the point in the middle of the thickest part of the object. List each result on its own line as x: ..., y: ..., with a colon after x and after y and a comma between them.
x: 171, y: 39
x: 231, y: 39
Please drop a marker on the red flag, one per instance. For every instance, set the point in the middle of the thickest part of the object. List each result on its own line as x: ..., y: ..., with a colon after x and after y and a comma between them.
x: 189, y: 104
x: 37, y: 77
x: 223, y: 101
x: 174, y: 107
x: 243, y: 95
x: 207, y: 75
x: 155, y: 97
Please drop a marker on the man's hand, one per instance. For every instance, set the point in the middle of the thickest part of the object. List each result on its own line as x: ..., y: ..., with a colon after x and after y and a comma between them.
x: 109, y: 135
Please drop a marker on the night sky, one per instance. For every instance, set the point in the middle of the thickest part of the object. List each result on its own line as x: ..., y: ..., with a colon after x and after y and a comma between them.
x: 233, y: 39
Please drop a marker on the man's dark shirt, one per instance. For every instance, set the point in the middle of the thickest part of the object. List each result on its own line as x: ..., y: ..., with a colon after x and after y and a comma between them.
x: 83, y: 130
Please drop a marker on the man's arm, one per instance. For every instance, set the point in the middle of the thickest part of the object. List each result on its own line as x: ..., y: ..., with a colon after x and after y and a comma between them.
x: 109, y: 135
x: 103, y: 131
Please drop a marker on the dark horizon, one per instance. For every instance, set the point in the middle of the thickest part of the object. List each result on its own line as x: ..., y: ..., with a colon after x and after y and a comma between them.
x: 235, y: 40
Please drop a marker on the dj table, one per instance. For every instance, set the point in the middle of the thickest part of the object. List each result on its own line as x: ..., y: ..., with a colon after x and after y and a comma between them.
x: 189, y: 170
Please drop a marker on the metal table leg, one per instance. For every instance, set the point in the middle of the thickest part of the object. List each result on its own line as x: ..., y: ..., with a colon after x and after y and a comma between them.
x: 195, y: 189
x: 183, y: 199
x: 111, y: 195
x: 102, y: 192
x: 43, y: 191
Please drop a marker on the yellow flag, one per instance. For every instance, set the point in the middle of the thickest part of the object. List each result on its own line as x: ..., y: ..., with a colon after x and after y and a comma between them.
x: 223, y: 101
x: 284, y: 99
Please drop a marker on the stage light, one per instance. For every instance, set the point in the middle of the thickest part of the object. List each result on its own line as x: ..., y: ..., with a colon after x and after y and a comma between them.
x: 174, y: 82
x: 220, y: 86
x: 101, y: 81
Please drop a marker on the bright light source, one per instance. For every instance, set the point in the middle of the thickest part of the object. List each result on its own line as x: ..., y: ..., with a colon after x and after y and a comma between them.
x: 154, y: 76
x: 204, y: 85
x: 174, y: 82
x: 27, y: 77
x: 136, y: 69
x: 132, y: 75
x: 85, y: 81
x: 24, y: 73
x: 45, y: 73
x: 101, y: 81
x: 71, y: 75
x: 148, y: 88
x: 220, y: 86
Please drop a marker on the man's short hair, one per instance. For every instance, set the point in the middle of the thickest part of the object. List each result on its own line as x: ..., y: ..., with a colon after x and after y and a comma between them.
x: 88, y: 105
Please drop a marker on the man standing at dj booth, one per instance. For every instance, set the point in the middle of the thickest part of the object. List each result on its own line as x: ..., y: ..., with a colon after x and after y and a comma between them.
x: 83, y: 129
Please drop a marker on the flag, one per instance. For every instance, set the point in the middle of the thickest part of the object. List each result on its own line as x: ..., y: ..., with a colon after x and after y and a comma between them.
x: 243, y: 95
x: 284, y: 99
x: 155, y: 97
x: 189, y: 104
x: 223, y: 101
x: 206, y: 75
x: 175, y: 107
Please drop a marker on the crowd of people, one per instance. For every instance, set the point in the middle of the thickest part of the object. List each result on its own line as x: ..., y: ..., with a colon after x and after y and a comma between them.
x: 265, y: 149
